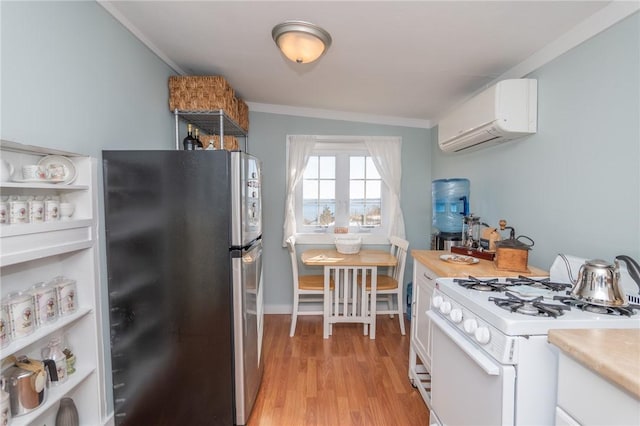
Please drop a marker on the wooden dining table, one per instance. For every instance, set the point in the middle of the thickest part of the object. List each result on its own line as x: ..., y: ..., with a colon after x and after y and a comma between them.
x: 348, y: 302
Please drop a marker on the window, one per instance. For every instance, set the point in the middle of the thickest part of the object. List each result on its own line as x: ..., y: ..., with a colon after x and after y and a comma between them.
x: 341, y: 189
x: 340, y: 185
x: 319, y: 192
x: 365, y: 192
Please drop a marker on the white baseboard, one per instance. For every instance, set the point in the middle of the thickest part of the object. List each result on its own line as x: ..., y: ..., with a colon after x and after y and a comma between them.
x: 277, y: 309
x: 286, y: 309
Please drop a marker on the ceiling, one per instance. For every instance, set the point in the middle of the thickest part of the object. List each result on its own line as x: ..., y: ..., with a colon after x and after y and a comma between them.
x: 392, y: 62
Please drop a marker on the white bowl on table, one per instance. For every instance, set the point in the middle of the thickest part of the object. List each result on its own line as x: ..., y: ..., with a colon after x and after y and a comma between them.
x: 348, y: 244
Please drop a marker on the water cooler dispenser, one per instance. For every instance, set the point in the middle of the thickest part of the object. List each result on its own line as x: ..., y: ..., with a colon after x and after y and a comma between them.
x: 450, y: 201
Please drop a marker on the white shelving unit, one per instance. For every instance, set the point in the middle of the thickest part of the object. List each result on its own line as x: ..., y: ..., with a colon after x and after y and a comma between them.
x: 36, y: 252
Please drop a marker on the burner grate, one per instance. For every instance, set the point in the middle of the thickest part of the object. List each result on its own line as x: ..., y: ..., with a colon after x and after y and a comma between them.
x: 628, y: 310
x: 473, y: 283
x: 533, y: 307
x: 543, y: 283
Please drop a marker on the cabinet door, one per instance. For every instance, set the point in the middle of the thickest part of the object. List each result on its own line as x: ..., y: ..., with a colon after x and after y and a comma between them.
x: 421, y: 333
x: 604, y: 404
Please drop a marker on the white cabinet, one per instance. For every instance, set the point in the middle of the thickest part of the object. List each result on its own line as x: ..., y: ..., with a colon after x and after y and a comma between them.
x: 586, y: 398
x: 424, y: 281
x: 38, y: 252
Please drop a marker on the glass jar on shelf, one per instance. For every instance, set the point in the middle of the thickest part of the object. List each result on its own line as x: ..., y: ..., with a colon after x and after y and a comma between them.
x: 56, y: 361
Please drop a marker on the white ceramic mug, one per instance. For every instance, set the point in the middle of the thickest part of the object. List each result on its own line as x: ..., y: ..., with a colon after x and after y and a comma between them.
x: 6, y: 170
x: 33, y: 171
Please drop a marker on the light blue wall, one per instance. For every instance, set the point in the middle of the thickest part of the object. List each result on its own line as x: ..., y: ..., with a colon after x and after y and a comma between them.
x: 74, y: 79
x: 574, y: 187
x: 267, y: 140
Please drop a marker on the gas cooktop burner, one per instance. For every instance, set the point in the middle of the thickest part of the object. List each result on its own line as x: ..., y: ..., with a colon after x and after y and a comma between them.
x: 543, y: 283
x: 628, y: 310
x: 533, y: 307
x: 474, y: 283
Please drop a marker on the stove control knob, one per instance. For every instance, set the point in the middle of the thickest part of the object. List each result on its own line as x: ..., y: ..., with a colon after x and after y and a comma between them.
x: 482, y: 335
x: 470, y: 325
x: 437, y: 301
x: 445, y: 307
x: 456, y: 315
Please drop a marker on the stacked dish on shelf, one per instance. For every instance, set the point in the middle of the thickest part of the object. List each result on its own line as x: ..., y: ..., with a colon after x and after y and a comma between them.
x: 49, y: 169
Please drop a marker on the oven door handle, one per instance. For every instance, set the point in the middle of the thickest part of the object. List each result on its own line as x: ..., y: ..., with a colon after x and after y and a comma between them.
x: 475, y: 354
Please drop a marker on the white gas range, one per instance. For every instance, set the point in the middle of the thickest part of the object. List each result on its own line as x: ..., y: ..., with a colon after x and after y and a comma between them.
x: 491, y: 364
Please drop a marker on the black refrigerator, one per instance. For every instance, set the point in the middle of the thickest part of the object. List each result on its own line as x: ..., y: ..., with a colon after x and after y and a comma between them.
x: 184, y: 268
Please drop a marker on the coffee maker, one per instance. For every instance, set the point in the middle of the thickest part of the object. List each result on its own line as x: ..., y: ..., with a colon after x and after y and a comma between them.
x: 471, y: 231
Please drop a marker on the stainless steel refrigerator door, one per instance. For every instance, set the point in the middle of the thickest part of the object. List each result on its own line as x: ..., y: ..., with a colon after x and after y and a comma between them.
x: 246, y: 190
x: 167, y: 222
x: 248, y: 326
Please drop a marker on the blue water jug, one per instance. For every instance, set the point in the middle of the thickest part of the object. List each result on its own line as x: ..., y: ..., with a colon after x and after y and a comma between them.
x: 450, y: 201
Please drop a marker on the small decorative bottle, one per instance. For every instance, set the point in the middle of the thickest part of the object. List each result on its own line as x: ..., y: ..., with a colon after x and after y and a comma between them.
x: 71, y: 360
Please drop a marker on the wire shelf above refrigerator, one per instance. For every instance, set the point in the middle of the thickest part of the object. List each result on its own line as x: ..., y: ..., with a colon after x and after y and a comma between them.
x: 213, y: 122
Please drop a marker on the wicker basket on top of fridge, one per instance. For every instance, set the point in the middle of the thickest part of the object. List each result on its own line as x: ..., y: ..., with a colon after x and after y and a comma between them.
x: 207, y: 93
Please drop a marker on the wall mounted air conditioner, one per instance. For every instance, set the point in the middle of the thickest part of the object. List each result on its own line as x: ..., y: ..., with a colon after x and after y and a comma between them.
x: 505, y: 111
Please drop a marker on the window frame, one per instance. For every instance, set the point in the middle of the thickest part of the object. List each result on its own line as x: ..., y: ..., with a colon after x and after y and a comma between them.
x: 342, y: 150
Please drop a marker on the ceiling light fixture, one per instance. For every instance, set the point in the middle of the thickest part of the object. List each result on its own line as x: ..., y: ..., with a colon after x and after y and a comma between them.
x: 302, y: 42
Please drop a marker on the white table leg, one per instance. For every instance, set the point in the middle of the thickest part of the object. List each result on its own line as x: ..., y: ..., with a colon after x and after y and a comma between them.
x: 326, y: 302
x: 372, y: 311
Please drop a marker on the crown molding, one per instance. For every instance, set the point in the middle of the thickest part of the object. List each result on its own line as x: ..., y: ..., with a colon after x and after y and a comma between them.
x: 339, y: 115
x: 140, y: 35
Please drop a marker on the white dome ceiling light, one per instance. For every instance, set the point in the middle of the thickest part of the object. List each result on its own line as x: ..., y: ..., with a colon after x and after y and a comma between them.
x: 301, y: 42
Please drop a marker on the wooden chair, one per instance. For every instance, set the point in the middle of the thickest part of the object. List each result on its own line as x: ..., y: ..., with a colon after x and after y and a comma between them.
x: 306, y: 289
x: 391, y: 284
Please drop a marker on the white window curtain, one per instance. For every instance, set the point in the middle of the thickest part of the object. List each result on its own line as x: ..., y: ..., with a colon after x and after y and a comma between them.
x: 386, y: 153
x: 299, y: 148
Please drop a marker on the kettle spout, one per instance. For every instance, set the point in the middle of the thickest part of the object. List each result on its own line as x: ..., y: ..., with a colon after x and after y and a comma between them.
x: 632, y: 267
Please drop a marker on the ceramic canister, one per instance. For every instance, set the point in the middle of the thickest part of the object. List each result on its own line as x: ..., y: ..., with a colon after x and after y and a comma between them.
x: 4, y: 211
x: 36, y: 211
x: 18, y: 211
x: 45, y: 302
x: 5, y: 406
x: 51, y: 210
x: 66, y: 291
x: 5, y: 326
x: 21, y: 314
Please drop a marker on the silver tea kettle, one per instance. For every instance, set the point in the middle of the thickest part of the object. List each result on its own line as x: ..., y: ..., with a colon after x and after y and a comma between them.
x: 26, y: 383
x: 599, y: 282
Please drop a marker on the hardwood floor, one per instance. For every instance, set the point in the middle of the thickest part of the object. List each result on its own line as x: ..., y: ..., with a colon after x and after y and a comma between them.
x: 345, y: 380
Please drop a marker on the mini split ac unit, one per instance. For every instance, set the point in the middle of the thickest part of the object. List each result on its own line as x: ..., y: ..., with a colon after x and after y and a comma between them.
x: 503, y: 112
